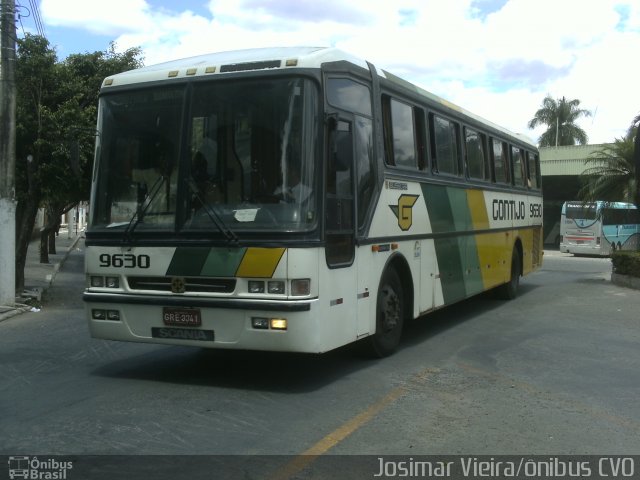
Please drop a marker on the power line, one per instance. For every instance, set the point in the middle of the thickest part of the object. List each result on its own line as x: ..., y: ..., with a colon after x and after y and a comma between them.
x: 23, y: 12
x: 36, y: 16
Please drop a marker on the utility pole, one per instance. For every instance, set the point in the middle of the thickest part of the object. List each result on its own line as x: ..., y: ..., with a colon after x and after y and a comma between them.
x: 7, y: 152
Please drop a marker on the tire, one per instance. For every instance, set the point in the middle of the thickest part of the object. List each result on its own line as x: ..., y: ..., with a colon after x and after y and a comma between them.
x: 389, y: 316
x: 509, y: 290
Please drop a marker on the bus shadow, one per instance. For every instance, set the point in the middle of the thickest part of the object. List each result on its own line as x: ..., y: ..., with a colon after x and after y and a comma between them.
x: 432, y: 324
x: 238, y: 369
x: 283, y: 372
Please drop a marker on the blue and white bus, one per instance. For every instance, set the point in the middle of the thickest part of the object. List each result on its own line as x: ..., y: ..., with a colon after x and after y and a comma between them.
x: 599, y: 228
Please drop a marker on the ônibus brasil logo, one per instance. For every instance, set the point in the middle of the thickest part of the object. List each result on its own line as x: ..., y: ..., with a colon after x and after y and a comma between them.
x: 35, y: 469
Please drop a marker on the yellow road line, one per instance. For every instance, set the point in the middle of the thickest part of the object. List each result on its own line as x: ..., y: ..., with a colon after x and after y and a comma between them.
x: 307, y: 457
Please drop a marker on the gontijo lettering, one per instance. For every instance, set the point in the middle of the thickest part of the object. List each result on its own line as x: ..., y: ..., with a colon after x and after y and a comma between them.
x: 509, y: 210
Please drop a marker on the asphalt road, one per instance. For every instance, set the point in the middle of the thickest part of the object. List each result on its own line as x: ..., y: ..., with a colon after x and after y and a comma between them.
x: 556, y: 371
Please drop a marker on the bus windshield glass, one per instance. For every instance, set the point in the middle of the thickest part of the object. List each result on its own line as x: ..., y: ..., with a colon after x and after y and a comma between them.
x: 225, y: 156
x: 579, y: 211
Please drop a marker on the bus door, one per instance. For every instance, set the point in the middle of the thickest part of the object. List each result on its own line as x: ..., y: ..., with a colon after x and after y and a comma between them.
x: 350, y: 188
x: 340, y: 213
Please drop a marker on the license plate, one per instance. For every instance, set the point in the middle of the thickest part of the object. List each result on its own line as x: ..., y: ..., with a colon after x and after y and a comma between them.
x: 181, y: 317
x: 182, y: 334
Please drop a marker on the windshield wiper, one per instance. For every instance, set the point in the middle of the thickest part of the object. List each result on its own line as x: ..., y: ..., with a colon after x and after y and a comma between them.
x: 142, y: 208
x: 212, y: 214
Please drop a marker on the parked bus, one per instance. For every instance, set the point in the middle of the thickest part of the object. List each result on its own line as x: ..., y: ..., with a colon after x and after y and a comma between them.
x: 599, y: 228
x: 297, y: 199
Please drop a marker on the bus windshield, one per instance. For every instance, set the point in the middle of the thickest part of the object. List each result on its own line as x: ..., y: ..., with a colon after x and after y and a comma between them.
x: 220, y: 156
x: 580, y: 211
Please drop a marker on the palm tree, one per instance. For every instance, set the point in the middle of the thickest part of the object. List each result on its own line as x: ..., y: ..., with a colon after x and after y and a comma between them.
x: 612, y: 174
x: 560, y: 116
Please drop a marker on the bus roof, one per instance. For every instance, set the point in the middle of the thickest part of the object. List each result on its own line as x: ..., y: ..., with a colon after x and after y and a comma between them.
x: 234, y: 61
x: 278, y: 58
x: 598, y: 204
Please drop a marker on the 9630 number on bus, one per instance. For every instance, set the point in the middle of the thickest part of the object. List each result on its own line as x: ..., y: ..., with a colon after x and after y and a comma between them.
x: 124, y: 260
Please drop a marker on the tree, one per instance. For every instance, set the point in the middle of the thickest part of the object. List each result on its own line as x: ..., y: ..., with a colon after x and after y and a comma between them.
x: 560, y: 116
x: 612, y: 174
x: 80, y: 78
x: 56, y: 115
x: 35, y: 77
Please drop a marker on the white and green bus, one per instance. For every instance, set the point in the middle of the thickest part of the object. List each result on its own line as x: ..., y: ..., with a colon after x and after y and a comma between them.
x: 297, y: 199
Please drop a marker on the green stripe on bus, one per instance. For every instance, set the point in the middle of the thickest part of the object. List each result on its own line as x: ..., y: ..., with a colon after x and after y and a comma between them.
x: 439, y: 208
x: 449, y: 212
x: 188, y: 261
x: 205, y: 261
x: 223, y: 262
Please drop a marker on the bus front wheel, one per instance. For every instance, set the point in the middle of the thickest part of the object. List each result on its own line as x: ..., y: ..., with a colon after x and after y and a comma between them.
x: 389, y: 316
x: 509, y: 290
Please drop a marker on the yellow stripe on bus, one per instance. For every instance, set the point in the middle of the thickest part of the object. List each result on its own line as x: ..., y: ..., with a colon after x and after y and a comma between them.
x: 490, y: 246
x: 259, y: 262
x: 477, y: 209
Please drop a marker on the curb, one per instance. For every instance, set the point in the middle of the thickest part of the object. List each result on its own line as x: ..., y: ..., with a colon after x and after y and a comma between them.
x: 58, y: 265
x: 19, y: 308
x: 625, y: 281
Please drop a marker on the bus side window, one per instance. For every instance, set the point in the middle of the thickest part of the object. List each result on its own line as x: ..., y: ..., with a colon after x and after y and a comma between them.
x: 476, y: 155
x: 518, y: 166
x: 400, y: 133
x: 500, y: 164
x: 532, y: 169
x: 444, y: 145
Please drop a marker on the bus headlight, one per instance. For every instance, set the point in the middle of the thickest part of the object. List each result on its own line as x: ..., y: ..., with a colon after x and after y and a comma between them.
x: 100, y: 314
x: 276, y: 287
x: 256, y: 286
x: 101, y: 282
x: 278, y: 323
x: 263, y: 323
x: 300, y: 287
x: 260, y: 323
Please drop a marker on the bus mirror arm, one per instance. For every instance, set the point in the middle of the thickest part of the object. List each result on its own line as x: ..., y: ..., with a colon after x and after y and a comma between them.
x: 332, y: 126
x: 331, y: 119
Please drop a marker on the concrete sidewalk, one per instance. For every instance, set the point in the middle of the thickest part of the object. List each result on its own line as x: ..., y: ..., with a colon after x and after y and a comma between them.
x: 39, y: 276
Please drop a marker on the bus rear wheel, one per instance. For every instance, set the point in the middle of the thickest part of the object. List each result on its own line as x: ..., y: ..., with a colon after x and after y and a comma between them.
x: 509, y: 290
x: 389, y: 316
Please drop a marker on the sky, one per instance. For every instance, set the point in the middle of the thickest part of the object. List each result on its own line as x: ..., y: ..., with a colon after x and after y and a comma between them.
x: 496, y: 58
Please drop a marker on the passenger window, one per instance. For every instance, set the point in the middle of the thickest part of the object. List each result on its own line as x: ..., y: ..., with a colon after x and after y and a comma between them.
x: 399, y: 132
x: 500, y: 166
x: 532, y: 163
x: 445, y: 145
x: 518, y: 166
x: 404, y: 143
x: 475, y: 147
